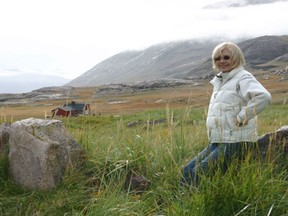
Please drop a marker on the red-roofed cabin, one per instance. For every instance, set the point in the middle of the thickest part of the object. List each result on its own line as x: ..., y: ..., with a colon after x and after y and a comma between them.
x: 71, y: 109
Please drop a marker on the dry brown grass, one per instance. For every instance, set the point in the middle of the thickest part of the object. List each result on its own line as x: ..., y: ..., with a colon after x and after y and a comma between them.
x: 177, y: 97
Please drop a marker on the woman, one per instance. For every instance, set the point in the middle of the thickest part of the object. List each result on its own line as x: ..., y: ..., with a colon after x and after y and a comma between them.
x: 236, y: 100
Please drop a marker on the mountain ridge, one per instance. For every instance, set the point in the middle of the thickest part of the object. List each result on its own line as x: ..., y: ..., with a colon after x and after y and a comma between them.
x: 189, y: 59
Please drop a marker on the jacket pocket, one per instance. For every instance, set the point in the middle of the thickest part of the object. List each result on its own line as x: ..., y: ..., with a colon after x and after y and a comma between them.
x: 230, y: 120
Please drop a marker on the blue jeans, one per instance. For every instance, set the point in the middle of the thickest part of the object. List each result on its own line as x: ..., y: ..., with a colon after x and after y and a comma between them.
x: 215, y: 153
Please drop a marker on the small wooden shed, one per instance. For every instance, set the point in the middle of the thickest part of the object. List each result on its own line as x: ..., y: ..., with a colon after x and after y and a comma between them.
x: 71, y: 109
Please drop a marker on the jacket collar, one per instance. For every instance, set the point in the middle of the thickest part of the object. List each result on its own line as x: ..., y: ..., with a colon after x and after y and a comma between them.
x: 232, y: 73
x: 218, y: 81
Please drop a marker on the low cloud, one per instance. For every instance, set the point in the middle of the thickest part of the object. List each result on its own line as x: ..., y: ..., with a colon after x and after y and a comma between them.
x: 92, y: 31
x: 239, y: 3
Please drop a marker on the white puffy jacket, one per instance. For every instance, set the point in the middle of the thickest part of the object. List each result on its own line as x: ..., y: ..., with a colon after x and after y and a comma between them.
x: 238, y: 97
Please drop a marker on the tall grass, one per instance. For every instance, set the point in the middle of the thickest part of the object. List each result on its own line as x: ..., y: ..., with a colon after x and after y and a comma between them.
x: 158, y: 152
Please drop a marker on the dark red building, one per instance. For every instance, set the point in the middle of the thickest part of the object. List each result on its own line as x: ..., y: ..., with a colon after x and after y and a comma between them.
x: 71, y: 109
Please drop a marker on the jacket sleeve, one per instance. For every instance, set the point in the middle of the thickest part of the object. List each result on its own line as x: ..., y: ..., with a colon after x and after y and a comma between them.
x: 254, y: 95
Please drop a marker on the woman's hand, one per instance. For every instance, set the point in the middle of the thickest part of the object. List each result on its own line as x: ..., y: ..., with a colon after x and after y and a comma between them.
x: 241, y: 123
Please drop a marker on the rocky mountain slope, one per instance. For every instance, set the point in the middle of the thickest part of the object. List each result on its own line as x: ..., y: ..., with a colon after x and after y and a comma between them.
x: 169, y: 60
x: 182, y: 60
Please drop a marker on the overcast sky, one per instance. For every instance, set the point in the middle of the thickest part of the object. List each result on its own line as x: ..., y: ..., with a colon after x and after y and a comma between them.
x: 68, y: 37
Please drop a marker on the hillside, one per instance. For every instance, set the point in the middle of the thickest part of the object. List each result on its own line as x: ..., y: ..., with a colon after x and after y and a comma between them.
x: 169, y: 60
x: 181, y: 60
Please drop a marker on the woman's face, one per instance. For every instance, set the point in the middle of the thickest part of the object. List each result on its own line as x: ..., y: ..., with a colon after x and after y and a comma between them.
x: 224, y: 61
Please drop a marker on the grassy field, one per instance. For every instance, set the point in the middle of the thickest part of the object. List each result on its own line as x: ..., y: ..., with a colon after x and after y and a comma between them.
x: 156, y: 151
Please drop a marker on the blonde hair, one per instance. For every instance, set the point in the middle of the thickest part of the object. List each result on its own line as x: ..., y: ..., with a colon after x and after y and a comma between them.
x: 237, y: 56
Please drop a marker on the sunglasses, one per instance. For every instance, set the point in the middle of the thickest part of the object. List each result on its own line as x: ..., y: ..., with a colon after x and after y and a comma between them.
x: 225, y: 57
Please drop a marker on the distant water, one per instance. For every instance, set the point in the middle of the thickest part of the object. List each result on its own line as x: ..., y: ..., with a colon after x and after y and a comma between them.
x: 24, y: 84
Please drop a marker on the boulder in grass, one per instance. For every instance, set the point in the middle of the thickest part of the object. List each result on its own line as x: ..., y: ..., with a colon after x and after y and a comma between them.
x: 136, y: 183
x: 40, y: 151
x: 274, y: 145
x: 4, y: 137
